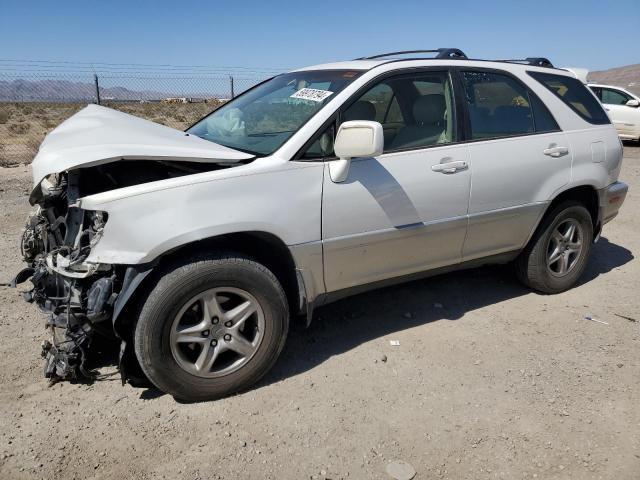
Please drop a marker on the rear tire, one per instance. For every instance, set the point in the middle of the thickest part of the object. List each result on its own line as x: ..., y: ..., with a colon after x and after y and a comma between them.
x: 557, y: 255
x: 248, y: 317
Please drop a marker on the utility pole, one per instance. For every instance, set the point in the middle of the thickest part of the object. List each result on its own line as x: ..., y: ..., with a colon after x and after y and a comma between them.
x: 231, y: 82
x: 95, y: 79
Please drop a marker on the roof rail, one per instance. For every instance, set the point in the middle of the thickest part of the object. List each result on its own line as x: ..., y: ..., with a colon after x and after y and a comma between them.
x: 533, y: 61
x: 441, y: 53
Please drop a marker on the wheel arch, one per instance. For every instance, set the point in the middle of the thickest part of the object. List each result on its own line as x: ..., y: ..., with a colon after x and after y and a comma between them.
x: 584, y: 194
x: 265, y: 248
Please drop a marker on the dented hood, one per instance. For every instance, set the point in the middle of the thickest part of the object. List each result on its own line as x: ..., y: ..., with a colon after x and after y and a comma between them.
x: 98, y: 134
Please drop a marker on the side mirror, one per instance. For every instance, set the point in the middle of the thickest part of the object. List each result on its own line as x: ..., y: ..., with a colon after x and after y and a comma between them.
x: 633, y: 103
x: 356, y: 138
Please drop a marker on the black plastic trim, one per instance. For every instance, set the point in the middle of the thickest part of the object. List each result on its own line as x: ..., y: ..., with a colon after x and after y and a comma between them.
x: 450, y: 53
x: 533, y: 61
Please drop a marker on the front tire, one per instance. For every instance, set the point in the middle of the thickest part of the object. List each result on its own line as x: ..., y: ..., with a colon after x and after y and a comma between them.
x: 557, y: 255
x: 211, y: 326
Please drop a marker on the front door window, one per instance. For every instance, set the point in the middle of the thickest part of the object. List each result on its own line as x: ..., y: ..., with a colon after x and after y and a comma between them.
x: 415, y: 110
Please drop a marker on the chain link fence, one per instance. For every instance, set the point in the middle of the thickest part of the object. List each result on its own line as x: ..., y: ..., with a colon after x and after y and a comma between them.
x: 33, y: 103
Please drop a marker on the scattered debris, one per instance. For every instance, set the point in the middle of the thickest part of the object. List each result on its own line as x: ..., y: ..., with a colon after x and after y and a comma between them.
x: 394, y: 343
x: 400, y: 470
x: 631, y: 319
x: 590, y: 317
x: 620, y: 365
x: 383, y: 359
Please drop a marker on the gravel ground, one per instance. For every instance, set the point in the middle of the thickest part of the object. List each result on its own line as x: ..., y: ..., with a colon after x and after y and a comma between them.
x: 489, y: 380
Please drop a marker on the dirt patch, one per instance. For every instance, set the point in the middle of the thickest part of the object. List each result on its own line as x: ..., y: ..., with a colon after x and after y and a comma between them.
x: 489, y: 380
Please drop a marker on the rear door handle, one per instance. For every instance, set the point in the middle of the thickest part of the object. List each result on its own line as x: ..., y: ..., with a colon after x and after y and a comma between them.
x: 448, y: 166
x: 556, y: 151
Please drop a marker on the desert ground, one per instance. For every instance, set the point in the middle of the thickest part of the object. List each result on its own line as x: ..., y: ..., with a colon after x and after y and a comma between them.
x: 489, y: 381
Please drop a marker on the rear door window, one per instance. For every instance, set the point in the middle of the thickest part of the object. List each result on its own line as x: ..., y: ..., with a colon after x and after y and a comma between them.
x: 614, y: 97
x: 573, y: 93
x: 501, y: 106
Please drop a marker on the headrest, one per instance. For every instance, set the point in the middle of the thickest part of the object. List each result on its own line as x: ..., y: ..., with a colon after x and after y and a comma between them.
x: 361, y: 110
x: 429, y: 109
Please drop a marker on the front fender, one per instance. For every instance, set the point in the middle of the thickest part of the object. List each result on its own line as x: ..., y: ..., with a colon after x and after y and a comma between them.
x: 141, y: 227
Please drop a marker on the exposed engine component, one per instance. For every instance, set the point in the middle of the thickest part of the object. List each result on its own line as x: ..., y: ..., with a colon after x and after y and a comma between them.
x: 55, y: 244
x: 57, y: 240
x: 65, y: 355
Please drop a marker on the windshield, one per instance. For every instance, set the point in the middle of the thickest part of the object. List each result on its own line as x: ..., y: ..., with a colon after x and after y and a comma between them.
x: 262, y: 119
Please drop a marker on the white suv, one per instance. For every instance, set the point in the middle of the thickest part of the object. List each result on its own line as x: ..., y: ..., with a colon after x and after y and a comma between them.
x: 623, y: 108
x: 198, y: 246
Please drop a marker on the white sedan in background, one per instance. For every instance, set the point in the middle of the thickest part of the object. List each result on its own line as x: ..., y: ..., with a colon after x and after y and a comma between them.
x: 623, y: 107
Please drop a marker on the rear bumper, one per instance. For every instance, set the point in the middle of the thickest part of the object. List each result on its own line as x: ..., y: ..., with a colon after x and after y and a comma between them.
x: 610, y: 200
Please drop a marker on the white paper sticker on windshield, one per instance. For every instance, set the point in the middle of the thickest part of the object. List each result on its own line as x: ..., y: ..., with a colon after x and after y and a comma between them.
x: 312, y: 94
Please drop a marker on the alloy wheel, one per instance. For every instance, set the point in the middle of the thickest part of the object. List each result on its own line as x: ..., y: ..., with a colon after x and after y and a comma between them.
x: 217, y: 332
x: 565, y: 247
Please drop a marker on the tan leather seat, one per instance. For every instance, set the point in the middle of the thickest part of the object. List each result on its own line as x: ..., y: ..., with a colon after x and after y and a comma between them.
x: 428, y: 113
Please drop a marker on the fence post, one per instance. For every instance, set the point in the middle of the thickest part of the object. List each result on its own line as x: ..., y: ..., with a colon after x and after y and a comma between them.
x: 95, y: 78
x: 231, y: 82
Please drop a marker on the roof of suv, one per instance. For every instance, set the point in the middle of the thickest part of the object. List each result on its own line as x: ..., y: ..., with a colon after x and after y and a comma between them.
x: 442, y: 58
x: 365, y: 65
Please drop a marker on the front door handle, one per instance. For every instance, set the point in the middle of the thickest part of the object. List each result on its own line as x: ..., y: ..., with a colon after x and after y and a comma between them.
x: 448, y: 166
x: 555, y: 152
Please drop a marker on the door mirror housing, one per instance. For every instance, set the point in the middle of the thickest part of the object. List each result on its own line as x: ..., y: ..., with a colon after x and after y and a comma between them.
x: 356, y: 138
x: 633, y: 103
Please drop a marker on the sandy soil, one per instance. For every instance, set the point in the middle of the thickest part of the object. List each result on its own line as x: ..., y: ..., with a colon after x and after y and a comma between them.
x: 496, y: 382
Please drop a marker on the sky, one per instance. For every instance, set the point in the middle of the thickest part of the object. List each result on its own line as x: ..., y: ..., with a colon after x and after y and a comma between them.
x: 287, y: 34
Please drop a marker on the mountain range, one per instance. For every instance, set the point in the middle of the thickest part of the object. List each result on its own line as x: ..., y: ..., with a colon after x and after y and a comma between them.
x: 55, y: 90
x: 627, y: 77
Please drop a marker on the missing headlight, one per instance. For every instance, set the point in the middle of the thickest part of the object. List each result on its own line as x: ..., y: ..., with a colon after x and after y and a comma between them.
x: 77, y: 295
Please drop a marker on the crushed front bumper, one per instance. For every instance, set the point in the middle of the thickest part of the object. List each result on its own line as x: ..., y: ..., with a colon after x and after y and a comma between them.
x: 75, y: 294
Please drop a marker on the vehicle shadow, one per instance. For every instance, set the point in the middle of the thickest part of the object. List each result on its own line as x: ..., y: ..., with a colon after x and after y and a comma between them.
x: 605, y: 256
x: 342, y: 326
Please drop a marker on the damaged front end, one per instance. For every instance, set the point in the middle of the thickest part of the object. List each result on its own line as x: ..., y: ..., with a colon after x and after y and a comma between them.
x: 77, y: 296
x: 85, y: 276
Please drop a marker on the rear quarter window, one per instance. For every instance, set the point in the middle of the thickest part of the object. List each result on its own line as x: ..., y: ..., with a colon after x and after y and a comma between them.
x: 575, y: 95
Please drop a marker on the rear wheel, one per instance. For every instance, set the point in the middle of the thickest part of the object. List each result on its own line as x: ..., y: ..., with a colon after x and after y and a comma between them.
x: 211, y: 327
x: 557, y: 254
